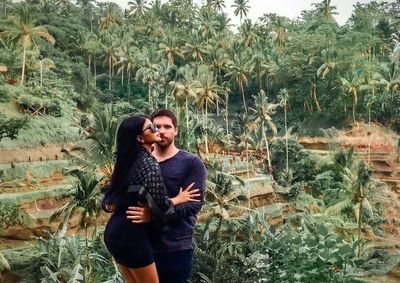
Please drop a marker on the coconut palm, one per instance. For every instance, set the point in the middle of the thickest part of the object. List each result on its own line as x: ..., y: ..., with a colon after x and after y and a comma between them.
x: 351, y: 87
x: 259, y: 67
x: 207, y: 92
x: 356, y: 178
x: 170, y: 49
x: 85, y: 202
x: 248, y: 33
x: 138, y: 7
x: 196, y: 50
x: 326, y: 10
x: 241, y: 8
x: 111, y: 18
x: 239, y: 71
x: 264, y: 110
x: 148, y: 74
x: 183, y: 88
x: 284, y: 97
x: 23, y: 31
x: 109, y: 48
x: 221, y: 198
x: 218, y: 5
x: 96, y: 152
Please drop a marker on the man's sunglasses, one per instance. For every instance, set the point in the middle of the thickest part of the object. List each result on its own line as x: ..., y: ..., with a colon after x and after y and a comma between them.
x: 152, y: 127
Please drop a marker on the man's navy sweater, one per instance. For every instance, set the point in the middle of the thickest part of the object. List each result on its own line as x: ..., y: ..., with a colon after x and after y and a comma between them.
x: 180, y: 171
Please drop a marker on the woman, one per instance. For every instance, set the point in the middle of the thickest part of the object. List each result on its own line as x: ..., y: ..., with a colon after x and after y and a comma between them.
x: 135, y: 166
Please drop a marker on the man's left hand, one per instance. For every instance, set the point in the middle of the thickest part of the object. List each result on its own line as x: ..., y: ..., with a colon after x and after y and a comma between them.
x: 139, y: 214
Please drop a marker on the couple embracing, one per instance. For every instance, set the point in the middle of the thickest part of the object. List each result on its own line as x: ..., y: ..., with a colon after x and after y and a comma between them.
x: 155, y: 193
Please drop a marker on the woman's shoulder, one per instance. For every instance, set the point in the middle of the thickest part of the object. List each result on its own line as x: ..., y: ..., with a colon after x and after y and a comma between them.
x: 147, y: 162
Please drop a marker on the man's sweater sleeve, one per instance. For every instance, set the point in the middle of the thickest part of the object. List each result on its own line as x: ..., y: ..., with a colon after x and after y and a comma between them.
x: 196, y: 173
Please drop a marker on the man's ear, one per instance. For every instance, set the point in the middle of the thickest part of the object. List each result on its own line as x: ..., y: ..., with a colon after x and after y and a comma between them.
x: 176, y: 131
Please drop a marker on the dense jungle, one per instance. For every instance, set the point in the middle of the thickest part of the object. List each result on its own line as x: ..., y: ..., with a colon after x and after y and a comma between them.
x: 297, y: 121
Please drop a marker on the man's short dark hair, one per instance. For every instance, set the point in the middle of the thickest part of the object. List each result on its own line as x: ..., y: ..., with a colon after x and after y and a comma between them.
x: 165, y: 113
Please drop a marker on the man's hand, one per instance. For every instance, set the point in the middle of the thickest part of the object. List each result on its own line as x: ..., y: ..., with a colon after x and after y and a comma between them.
x: 186, y: 195
x: 139, y: 214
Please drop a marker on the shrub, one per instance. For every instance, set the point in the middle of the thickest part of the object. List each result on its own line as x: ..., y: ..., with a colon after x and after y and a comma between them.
x: 10, y: 127
x: 36, y: 105
x: 10, y: 214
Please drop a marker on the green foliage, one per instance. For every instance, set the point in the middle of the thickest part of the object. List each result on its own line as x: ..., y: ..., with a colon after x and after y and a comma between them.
x: 304, y: 254
x: 39, y: 106
x: 10, y: 127
x: 58, y: 257
x: 10, y: 214
x: 37, y: 169
x: 254, y: 252
x: 304, y: 163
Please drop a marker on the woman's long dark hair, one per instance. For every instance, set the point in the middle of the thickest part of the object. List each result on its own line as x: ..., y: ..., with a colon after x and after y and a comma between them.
x: 128, y: 149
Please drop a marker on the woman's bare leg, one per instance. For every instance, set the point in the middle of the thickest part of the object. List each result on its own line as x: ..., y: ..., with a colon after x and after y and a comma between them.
x: 126, y: 272
x: 147, y: 274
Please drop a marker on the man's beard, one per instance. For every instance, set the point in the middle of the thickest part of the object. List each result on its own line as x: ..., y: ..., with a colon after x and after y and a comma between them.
x: 165, y: 142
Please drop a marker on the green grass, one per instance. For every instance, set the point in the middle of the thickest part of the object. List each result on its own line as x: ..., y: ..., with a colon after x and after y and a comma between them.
x: 30, y: 196
x: 38, y: 169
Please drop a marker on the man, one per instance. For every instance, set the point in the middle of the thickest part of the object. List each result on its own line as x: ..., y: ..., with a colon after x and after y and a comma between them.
x: 173, y: 249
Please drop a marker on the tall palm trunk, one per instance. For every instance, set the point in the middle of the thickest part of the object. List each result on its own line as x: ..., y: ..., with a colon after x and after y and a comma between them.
x: 41, y: 73
x: 149, y: 95
x: 94, y: 72
x: 244, y: 99
x: 361, y: 197
x: 286, y: 141
x: 88, y: 266
x: 187, y: 113
x: 354, y: 102
x: 227, y: 116
x: 122, y: 77
x: 267, y: 147
x: 248, y: 174
x: 23, y: 66
x: 206, y: 127
x: 109, y: 72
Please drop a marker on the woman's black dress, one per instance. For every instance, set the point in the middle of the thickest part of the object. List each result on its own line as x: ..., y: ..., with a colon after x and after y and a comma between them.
x: 127, y: 242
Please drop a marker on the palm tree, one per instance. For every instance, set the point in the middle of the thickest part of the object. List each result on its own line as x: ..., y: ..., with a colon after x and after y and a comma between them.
x: 351, y: 87
x: 326, y: 10
x: 208, y: 26
x: 96, y: 152
x: 148, y: 74
x: 221, y: 198
x: 23, y: 31
x: 183, y: 88
x: 284, y: 96
x: 241, y: 8
x: 240, y: 72
x: 207, y: 93
x: 196, y: 50
x: 138, y: 7
x: 248, y: 33
x: 111, y: 18
x: 109, y: 48
x: 356, y: 177
x: 218, y: 5
x: 170, y: 49
x: 259, y: 67
x: 45, y: 64
x: 86, y: 202
x: 264, y: 110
